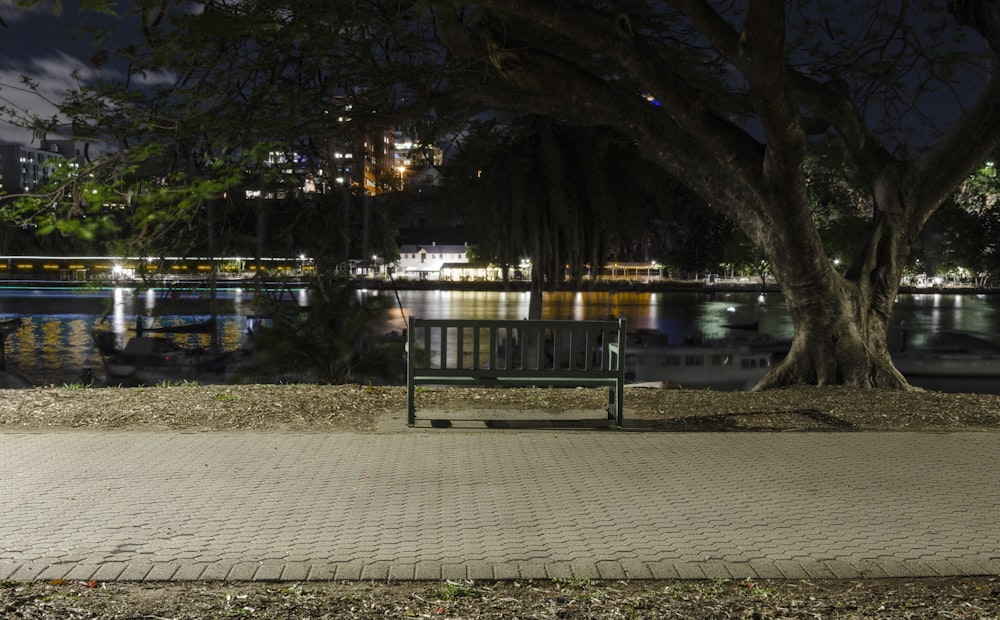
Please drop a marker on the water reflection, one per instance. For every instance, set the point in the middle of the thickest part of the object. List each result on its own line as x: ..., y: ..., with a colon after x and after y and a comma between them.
x: 924, y: 314
x: 677, y: 314
x: 55, y: 344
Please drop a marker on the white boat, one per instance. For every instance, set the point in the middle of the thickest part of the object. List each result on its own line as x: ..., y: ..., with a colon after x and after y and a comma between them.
x: 717, y: 365
x: 952, y: 361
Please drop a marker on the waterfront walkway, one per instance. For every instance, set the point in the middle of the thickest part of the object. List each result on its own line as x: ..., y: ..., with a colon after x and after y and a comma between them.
x: 496, y: 504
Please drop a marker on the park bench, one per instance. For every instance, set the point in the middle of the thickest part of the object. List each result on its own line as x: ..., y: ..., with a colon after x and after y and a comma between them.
x: 516, y: 353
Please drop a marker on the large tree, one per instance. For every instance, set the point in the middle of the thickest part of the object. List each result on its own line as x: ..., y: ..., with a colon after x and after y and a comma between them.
x: 724, y: 96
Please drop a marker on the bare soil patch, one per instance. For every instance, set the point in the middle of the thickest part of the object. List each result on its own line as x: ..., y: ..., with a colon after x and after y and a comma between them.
x: 337, y: 408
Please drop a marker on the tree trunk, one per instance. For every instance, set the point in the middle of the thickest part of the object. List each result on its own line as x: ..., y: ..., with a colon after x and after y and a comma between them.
x: 840, y: 339
x: 535, y: 304
x: 841, y: 321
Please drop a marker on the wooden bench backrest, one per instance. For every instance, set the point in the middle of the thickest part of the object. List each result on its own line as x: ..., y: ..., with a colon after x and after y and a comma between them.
x: 513, y: 347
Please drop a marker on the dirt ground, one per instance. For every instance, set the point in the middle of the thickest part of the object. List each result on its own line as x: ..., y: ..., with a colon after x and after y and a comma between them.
x: 310, y: 408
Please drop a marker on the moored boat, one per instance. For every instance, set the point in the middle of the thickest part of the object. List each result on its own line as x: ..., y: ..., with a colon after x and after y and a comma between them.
x: 8, y: 378
x: 153, y: 359
x: 717, y: 365
x: 952, y: 361
x: 148, y: 360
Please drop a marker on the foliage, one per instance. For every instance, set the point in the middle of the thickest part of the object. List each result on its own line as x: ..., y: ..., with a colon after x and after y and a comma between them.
x: 451, y: 590
x: 980, y: 192
x: 327, y: 342
x: 212, y: 101
x: 841, y: 206
x: 571, y: 197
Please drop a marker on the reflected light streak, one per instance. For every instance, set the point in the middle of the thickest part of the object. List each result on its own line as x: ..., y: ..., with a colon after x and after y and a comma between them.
x: 654, y: 309
x: 578, y: 313
x: 118, y: 315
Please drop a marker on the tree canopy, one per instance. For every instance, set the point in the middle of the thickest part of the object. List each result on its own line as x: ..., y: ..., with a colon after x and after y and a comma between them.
x: 726, y: 97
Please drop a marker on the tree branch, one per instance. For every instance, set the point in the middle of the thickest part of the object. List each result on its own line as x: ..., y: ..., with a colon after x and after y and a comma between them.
x: 970, y: 141
x: 603, y: 33
x: 831, y: 102
x: 983, y: 16
x: 763, y: 51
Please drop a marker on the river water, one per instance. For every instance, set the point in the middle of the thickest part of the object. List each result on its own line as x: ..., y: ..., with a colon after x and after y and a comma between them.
x: 56, y: 344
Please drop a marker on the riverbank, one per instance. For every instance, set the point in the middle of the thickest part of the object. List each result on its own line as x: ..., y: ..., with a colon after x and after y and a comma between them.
x: 658, y: 285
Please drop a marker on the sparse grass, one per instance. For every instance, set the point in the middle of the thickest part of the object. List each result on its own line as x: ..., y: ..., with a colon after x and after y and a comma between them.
x: 757, y: 589
x: 182, y: 383
x: 292, y: 590
x: 77, y: 385
x: 451, y: 590
x: 577, y: 583
x: 224, y: 397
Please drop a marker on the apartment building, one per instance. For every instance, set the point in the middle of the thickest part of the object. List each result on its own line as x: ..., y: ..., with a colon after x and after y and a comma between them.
x: 25, y: 169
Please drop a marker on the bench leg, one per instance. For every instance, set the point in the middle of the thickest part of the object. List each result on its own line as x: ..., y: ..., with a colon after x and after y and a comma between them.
x: 411, y: 409
x: 621, y: 403
x: 616, y: 394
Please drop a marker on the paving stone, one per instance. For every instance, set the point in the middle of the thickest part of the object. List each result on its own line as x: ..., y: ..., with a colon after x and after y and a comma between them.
x: 135, y: 571
x: 269, y: 571
x: 296, y: 571
x: 682, y: 570
x: 533, y: 570
x: 480, y: 571
x: 109, y: 571
x: 9, y: 568
x: 57, y: 571
x: 791, y: 569
x: 479, y: 504
x: 604, y: 570
x: 217, y: 571
x: 189, y: 572
x: 375, y: 571
x: 349, y: 571
x: 242, y: 571
x: 162, y: 572
x: 322, y: 572
x: 82, y: 572
x: 506, y: 572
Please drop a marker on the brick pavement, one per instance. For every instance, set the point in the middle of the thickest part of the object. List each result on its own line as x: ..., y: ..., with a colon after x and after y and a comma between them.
x: 492, y: 504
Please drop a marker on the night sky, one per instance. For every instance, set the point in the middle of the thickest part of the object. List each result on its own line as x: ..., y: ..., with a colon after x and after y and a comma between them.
x: 42, y: 45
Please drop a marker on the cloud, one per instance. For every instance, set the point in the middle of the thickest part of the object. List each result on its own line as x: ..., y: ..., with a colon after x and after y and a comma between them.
x: 54, y: 77
x: 48, y: 43
x: 11, y: 14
